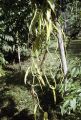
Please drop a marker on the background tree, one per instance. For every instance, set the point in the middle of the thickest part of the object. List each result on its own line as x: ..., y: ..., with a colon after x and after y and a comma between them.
x: 16, y: 18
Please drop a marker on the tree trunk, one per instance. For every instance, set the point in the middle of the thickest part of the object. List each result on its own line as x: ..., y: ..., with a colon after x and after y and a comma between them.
x: 19, y: 57
x: 61, y: 47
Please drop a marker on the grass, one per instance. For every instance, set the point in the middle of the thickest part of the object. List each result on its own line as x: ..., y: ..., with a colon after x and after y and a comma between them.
x: 16, y: 101
x: 15, y: 98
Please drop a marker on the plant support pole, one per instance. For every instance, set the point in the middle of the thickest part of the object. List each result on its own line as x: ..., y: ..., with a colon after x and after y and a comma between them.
x: 61, y: 47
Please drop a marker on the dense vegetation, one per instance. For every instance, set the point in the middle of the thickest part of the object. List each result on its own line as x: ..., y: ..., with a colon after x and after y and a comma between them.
x: 40, y: 64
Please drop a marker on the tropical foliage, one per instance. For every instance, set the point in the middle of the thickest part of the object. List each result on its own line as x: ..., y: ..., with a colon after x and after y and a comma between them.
x: 43, y: 31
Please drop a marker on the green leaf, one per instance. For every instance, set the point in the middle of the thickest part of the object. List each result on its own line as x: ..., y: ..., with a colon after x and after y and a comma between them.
x: 35, y: 110
x: 66, y: 103
x: 52, y: 5
x: 45, y: 116
x: 26, y: 75
x: 62, y: 110
x: 73, y: 104
x: 73, y: 72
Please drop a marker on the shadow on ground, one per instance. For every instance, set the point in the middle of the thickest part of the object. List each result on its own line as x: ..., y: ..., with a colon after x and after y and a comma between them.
x: 16, y: 102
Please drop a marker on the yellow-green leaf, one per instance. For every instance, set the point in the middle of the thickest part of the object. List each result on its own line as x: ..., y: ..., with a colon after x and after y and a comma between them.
x: 45, y: 116
x: 49, y: 29
x: 52, y: 5
x: 35, y: 110
x: 26, y: 75
x: 48, y: 14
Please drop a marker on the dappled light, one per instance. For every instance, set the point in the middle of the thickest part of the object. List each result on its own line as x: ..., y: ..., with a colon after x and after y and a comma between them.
x: 40, y: 60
